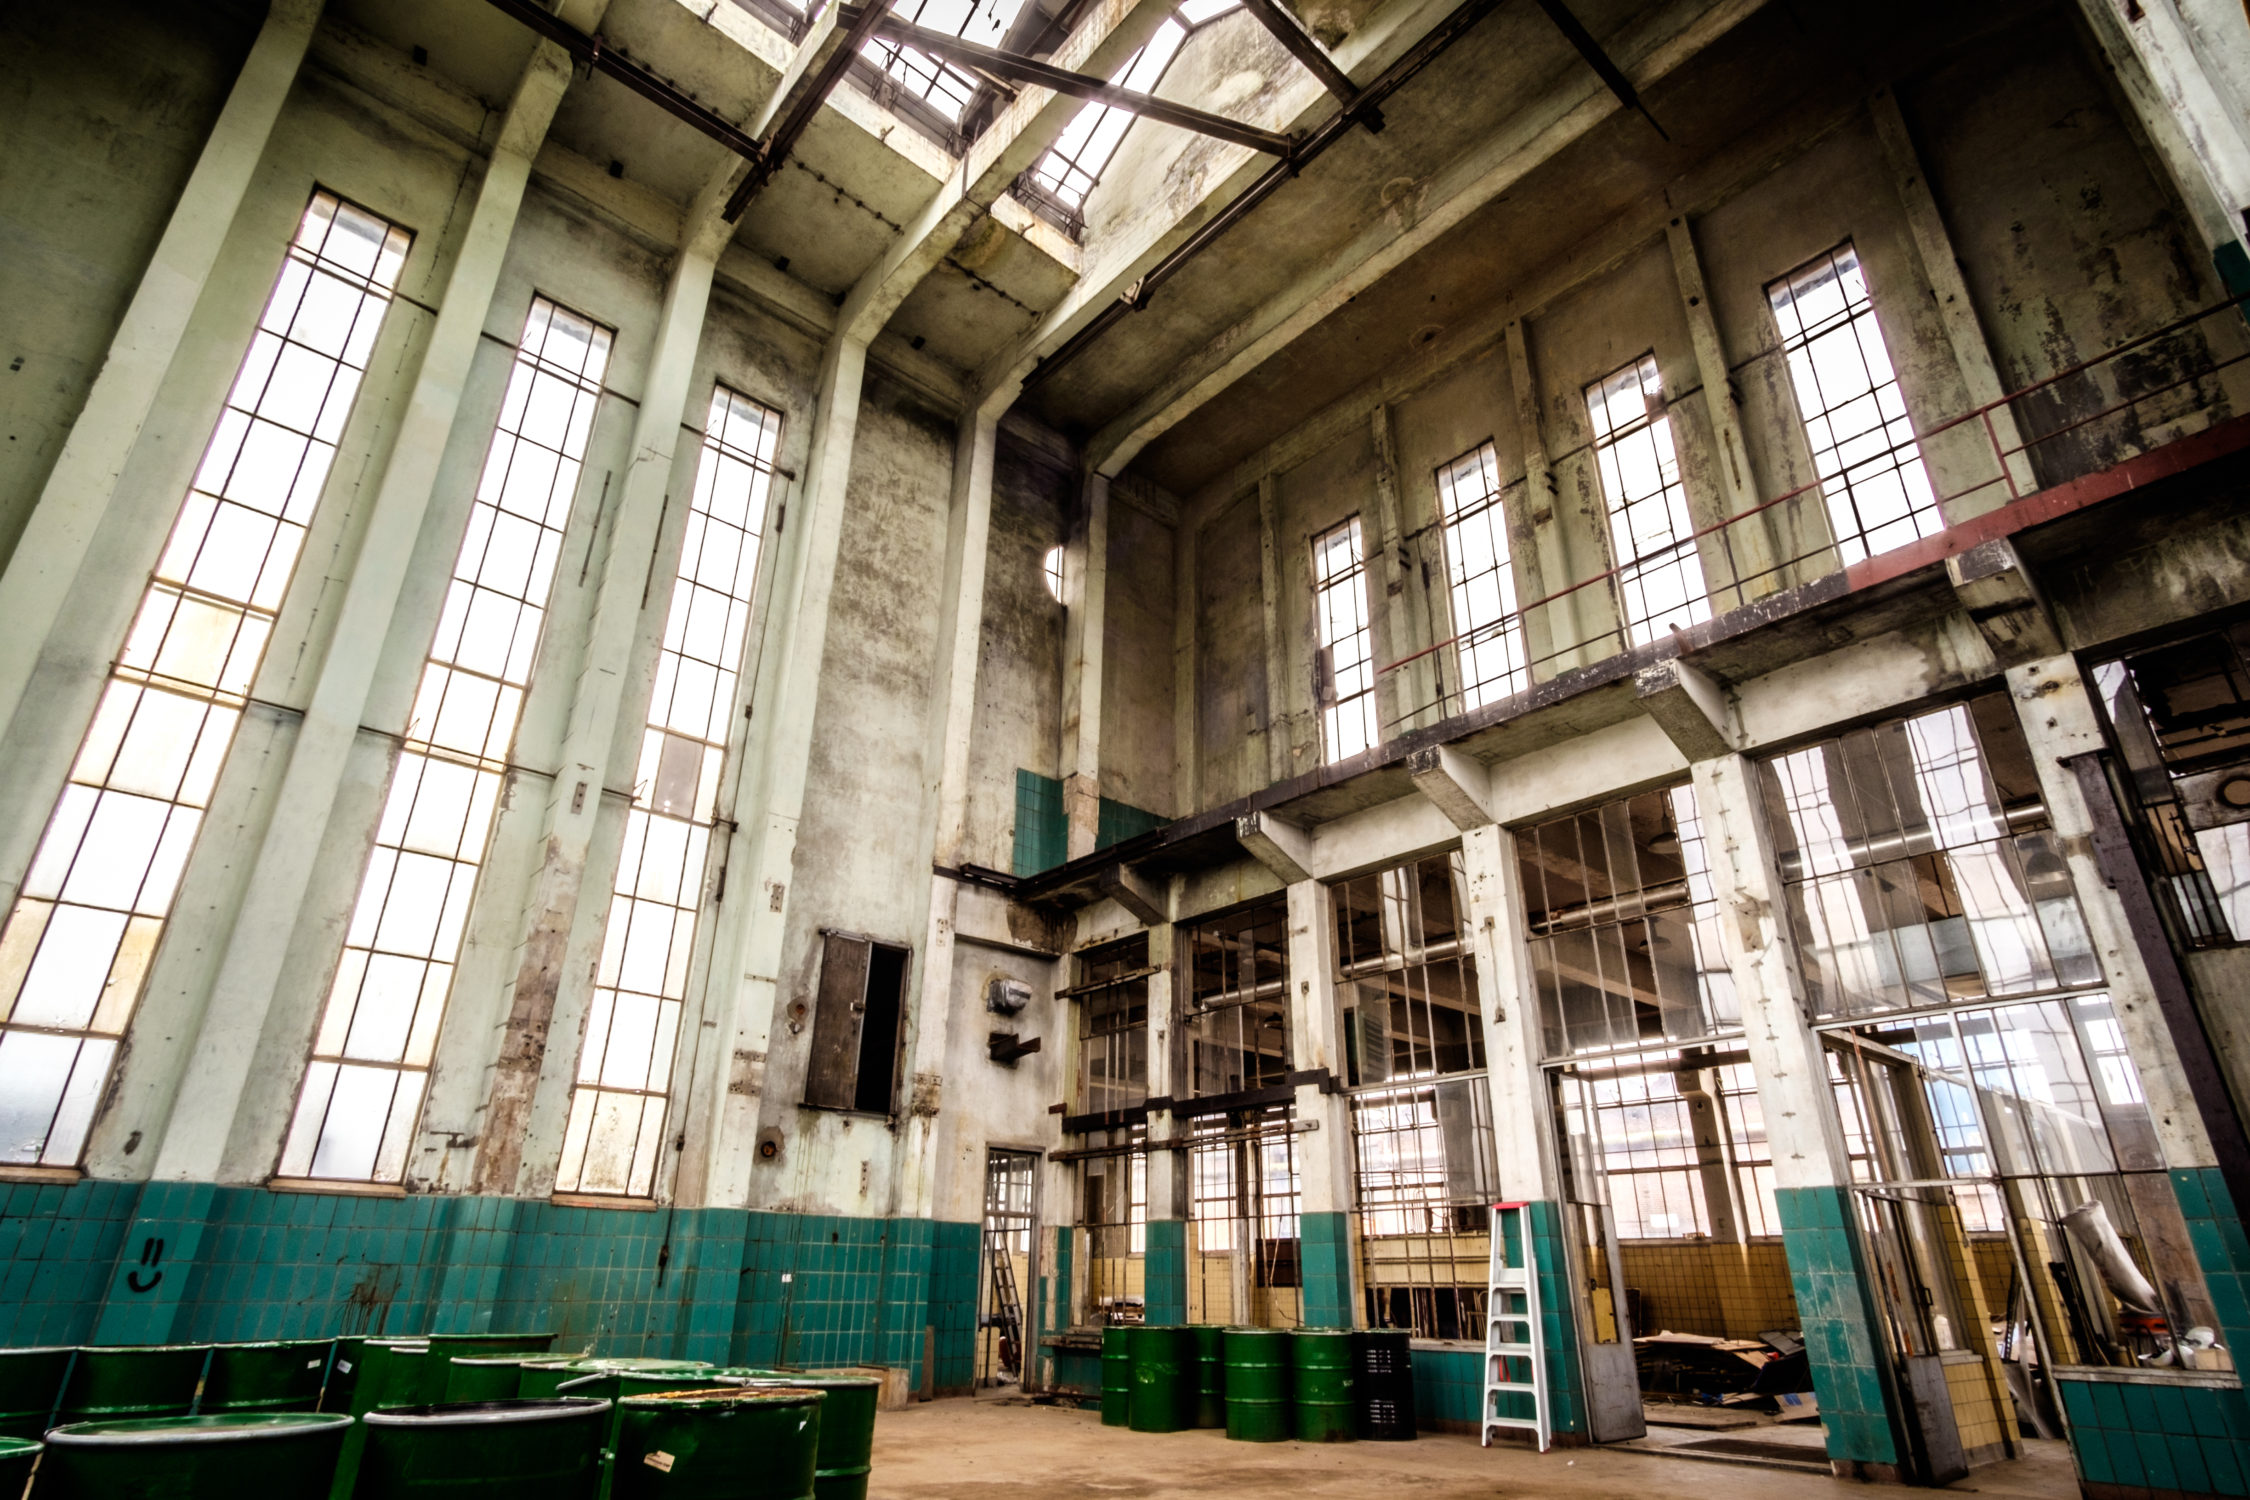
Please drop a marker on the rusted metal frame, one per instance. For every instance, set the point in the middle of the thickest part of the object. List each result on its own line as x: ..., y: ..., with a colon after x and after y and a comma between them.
x: 1016, y: 68
x: 2121, y: 869
x: 1396, y: 76
x: 1598, y: 60
x: 590, y: 51
x: 1315, y: 57
x: 814, y: 93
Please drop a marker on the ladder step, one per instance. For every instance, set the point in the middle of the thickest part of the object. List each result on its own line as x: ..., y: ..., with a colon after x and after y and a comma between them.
x: 1512, y: 1351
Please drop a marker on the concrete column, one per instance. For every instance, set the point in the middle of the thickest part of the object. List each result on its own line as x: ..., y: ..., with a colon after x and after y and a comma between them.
x: 214, y: 1121
x: 1941, y: 269
x: 747, y: 958
x: 1324, y: 1146
x: 1812, y: 1171
x: 1164, y: 1267
x: 596, y: 762
x: 1085, y: 626
x: 1412, y: 691
x: 2185, y: 67
x: 76, y: 496
x: 1187, y: 741
x: 945, y: 759
x: 1277, y: 668
x: 1747, y: 546
x: 1551, y: 632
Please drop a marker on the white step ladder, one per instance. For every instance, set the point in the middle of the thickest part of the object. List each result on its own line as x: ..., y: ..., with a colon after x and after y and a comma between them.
x: 1515, y: 1349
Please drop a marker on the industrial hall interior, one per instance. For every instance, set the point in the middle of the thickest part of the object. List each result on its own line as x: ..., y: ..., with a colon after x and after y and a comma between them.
x: 1093, y: 749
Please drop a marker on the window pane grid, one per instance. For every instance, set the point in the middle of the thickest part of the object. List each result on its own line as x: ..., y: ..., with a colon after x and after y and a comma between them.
x: 616, y: 1122
x: 943, y: 86
x: 371, y: 1055
x: 1347, y: 644
x: 1488, y: 632
x: 1870, y: 467
x: 1424, y: 1181
x: 1659, y: 573
x: 77, y: 946
x: 1076, y: 161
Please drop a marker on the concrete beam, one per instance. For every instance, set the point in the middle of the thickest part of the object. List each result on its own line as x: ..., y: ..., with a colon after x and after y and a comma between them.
x: 2004, y: 602
x: 1456, y: 783
x: 1085, y: 634
x: 76, y: 497
x: 1690, y: 707
x: 1269, y: 597
x: 1656, y: 47
x: 1749, y: 544
x: 1281, y: 847
x: 1148, y: 904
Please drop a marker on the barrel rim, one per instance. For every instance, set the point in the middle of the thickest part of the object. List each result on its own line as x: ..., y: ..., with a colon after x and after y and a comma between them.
x: 815, y: 1382
x: 274, y: 1344
x: 145, y: 1348
x: 41, y: 1349
x: 485, y: 1359
x: 494, y: 1413
x: 747, y: 1394
x: 245, y: 1427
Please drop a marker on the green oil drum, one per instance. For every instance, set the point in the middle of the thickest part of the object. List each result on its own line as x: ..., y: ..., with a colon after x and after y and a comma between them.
x: 1321, y: 1366
x: 388, y: 1373
x: 265, y: 1377
x: 17, y: 1455
x: 120, y: 1384
x: 1117, y: 1375
x: 749, y: 1443
x: 267, y: 1455
x: 31, y: 1381
x: 1209, y: 1340
x: 847, y: 1428
x: 1258, y: 1384
x: 483, y: 1377
x: 612, y: 1380
x: 1163, y: 1378
x: 343, y: 1373
x: 493, y: 1450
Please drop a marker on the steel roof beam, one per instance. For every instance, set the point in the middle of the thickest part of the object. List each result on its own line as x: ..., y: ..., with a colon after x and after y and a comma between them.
x: 1315, y: 57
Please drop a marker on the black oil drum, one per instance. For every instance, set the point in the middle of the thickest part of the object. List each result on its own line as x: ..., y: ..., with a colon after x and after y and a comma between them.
x: 1384, y: 1362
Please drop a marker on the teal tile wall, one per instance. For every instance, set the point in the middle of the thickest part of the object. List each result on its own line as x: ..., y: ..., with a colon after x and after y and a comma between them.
x: 2192, y: 1440
x: 955, y: 1254
x: 1325, y: 1256
x: 1119, y: 821
x: 1164, y: 1272
x: 1448, y: 1389
x: 2214, y: 1225
x: 1842, y: 1335
x: 1078, y: 1374
x: 132, y: 1263
x: 1042, y: 831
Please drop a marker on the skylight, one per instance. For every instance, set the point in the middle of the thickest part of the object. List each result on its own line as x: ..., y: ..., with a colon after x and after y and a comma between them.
x: 943, y: 86
x: 1076, y: 162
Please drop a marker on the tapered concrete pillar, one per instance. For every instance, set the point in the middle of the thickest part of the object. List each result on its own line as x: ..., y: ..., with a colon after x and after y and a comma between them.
x: 76, y: 497
x: 564, y: 918
x: 747, y: 956
x: 214, y: 1123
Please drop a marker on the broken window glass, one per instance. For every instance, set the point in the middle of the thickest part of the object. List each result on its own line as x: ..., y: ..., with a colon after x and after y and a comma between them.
x: 1659, y: 574
x: 1345, y: 664
x: 1487, y: 630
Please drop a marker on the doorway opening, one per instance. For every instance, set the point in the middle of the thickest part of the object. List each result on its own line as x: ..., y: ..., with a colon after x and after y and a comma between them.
x: 1011, y: 1181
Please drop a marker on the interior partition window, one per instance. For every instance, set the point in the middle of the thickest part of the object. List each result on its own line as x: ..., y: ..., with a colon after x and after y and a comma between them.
x: 1659, y: 575
x: 1487, y: 631
x: 1344, y: 669
x: 625, y: 1063
x: 1421, y: 1118
x: 2180, y: 717
x: 77, y: 947
x: 1623, y: 922
x: 1871, y: 476
x: 1245, y: 1262
x: 1234, y: 1024
x: 1113, y: 1211
x: 362, y: 1090
x: 1112, y: 999
x: 1981, y: 1065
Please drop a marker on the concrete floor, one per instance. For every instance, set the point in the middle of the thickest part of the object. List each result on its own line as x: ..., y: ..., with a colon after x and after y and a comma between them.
x: 987, y: 1450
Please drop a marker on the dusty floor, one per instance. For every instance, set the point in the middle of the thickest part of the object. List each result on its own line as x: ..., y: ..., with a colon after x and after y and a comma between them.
x: 982, y: 1450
